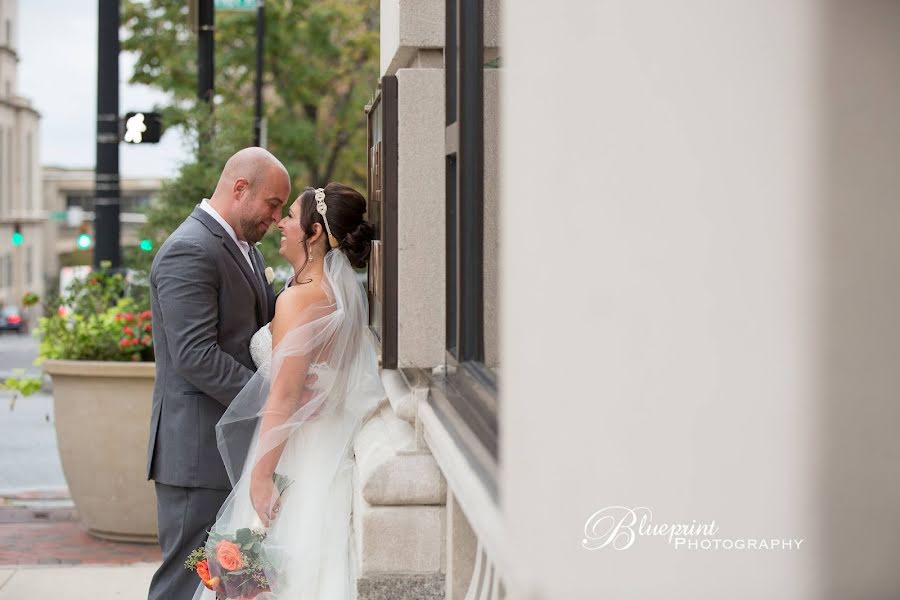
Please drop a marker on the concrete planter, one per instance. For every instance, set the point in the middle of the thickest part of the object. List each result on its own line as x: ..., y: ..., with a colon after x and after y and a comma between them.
x: 102, y: 412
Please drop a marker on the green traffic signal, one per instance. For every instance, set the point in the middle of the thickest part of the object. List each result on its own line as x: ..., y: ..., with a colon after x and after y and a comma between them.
x: 147, y: 245
x: 17, y: 238
x: 84, y: 241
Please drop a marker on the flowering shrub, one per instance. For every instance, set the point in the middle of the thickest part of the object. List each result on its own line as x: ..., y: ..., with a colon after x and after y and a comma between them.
x: 102, y: 317
x: 137, y: 334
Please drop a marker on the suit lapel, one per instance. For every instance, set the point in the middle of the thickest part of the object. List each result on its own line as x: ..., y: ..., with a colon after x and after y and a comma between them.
x: 265, y: 288
x: 238, y: 256
x: 252, y: 279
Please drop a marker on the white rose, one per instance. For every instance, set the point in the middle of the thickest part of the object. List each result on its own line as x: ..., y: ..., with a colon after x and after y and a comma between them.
x: 270, y: 275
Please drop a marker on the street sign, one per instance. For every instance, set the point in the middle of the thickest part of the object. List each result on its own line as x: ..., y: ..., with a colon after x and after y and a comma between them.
x: 236, y: 4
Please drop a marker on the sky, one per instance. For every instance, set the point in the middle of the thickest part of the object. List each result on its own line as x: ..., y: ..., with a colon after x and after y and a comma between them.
x: 57, y: 46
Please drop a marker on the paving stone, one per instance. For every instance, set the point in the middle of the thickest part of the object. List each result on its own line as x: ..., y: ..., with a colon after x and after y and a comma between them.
x: 66, y: 543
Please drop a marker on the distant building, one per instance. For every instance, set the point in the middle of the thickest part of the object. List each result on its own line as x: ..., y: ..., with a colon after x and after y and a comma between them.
x: 69, y: 201
x: 20, y: 184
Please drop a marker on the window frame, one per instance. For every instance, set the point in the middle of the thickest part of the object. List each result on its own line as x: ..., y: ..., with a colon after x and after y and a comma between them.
x: 465, y: 398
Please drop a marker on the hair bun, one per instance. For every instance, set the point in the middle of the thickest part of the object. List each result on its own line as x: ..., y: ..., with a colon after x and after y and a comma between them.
x: 357, y: 244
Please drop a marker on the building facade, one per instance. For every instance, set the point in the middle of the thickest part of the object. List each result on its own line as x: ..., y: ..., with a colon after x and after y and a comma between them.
x: 428, y: 466
x: 692, y: 211
x: 69, y: 201
x: 21, y: 209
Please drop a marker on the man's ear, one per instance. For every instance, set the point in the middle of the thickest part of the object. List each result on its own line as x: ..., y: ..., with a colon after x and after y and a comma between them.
x: 240, y: 187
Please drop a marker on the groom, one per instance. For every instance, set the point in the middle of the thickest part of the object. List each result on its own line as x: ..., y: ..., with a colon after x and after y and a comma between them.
x: 209, y: 296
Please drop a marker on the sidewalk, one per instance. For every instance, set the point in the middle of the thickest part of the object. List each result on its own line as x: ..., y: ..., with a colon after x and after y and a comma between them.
x: 86, y: 582
x: 45, y: 553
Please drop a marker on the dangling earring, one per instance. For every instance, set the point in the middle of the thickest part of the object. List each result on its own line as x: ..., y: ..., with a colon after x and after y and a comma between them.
x: 309, y: 259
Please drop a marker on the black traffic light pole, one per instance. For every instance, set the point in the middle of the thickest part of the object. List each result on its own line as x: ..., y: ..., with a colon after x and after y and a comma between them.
x: 206, y: 19
x: 260, y: 48
x: 106, y: 175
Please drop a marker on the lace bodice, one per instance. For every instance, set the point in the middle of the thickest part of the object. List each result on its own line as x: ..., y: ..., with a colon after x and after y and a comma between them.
x: 261, y: 349
x: 261, y: 352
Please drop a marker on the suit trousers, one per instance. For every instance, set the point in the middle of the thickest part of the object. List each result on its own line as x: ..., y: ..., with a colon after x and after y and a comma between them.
x: 185, y: 517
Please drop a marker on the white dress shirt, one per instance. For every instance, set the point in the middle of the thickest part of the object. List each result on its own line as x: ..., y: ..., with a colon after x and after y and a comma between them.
x: 244, y: 246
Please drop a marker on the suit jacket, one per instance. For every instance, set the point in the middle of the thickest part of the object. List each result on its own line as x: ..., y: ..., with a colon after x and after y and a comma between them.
x: 207, y: 303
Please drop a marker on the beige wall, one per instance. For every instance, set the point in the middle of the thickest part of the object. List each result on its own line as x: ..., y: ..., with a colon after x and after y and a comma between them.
x: 20, y: 184
x: 407, y: 27
x: 8, y: 46
x: 710, y: 328
x: 20, y: 201
x: 421, y: 253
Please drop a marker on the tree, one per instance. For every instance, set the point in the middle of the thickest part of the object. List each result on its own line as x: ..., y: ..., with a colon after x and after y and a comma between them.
x: 321, y: 68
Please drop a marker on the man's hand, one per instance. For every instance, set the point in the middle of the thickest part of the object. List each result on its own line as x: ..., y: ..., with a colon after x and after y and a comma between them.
x: 309, y: 392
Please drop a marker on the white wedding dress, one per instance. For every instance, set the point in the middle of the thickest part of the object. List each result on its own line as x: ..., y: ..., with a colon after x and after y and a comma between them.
x: 311, y: 540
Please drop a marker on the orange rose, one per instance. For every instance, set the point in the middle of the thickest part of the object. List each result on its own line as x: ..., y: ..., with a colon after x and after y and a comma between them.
x: 203, y: 570
x: 212, y: 584
x: 229, y: 556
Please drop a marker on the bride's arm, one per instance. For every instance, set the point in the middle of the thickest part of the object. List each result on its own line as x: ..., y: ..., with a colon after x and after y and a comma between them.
x: 286, y: 395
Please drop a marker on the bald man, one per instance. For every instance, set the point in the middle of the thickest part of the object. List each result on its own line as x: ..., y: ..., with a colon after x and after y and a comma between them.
x: 209, y: 295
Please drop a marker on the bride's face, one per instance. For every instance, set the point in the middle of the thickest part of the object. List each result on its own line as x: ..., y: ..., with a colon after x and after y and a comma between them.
x: 291, y: 236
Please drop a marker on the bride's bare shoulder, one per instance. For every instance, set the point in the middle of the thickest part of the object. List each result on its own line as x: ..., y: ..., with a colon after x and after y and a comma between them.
x: 296, y: 302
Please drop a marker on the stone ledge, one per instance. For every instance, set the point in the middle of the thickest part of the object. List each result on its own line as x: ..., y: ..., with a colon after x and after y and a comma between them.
x: 398, y: 539
x: 401, y: 586
x: 402, y: 398
x: 390, y: 469
x: 406, y: 26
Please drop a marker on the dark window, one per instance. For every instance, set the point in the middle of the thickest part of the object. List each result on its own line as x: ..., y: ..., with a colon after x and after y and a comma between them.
x: 137, y: 202
x: 467, y: 398
x: 84, y: 200
x: 131, y: 202
x: 382, y: 211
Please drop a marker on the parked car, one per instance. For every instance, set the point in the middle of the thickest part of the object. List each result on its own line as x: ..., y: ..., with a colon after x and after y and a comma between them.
x: 12, y: 319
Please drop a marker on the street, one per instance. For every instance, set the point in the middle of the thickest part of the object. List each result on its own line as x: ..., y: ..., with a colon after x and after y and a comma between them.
x: 28, y: 457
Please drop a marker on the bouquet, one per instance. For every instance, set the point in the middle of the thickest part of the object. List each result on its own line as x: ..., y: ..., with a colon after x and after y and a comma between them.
x: 236, y: 565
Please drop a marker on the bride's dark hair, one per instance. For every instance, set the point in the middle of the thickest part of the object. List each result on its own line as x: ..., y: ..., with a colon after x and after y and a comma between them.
x: 346, y: 212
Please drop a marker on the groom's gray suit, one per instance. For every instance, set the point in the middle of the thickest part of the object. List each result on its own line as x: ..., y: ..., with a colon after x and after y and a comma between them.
x: 207, y: 303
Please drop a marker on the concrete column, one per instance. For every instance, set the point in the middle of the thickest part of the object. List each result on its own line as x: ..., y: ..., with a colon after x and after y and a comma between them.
x: 715, y: 336
x: 420, y: 217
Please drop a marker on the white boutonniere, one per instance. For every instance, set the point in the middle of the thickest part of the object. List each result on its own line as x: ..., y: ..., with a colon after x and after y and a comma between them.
x: 270, y: 275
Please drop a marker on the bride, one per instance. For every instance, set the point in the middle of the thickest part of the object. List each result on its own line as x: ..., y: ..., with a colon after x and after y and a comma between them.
x: 285, y: 531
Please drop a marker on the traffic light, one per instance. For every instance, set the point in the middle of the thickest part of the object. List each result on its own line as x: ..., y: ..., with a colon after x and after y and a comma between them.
x: 84, y: 238
x: 142, y: 128
x: 147, y: 245
x: 17, y: 237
